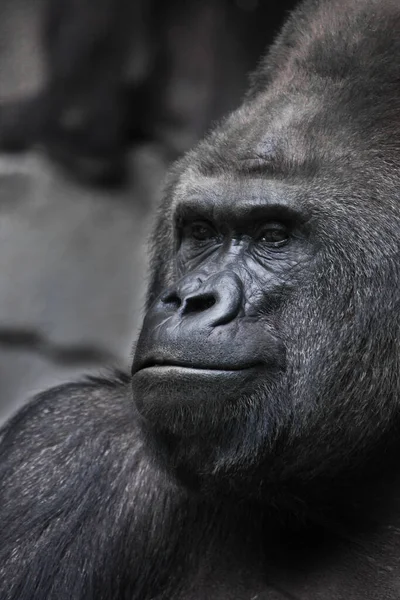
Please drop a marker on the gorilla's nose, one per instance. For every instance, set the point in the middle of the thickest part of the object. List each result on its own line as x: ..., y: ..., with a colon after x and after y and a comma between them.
x: 216, y: 300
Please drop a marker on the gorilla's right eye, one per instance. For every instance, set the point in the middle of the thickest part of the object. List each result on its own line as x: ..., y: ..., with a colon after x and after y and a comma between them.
x: 275, y: 235
x: 199, y: 231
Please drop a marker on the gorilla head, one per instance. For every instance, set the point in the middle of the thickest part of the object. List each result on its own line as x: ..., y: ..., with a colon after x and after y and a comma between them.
x: 269, y: 354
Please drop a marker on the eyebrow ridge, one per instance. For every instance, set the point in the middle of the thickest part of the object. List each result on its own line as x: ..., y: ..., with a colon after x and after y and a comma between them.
x: 260, y: 165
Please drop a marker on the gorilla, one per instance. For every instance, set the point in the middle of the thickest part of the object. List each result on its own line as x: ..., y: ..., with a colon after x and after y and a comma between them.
x: 254, y: 451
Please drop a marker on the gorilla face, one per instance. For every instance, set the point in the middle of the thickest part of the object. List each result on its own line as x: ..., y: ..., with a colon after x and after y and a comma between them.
x: 211, y: 343
x: 212, y: 337
x: 269, y: 352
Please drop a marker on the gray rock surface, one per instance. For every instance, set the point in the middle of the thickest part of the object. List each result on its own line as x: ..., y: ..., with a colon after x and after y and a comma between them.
x: 72, y: 259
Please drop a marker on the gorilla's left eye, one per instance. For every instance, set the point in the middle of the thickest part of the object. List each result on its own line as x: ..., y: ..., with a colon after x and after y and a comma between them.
x: 200, y: 231
x: 274, y: 235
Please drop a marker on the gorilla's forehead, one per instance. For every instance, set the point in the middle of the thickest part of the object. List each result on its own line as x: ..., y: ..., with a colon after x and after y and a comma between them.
x: 273, y: 151
x: 303, y: 148
x: 283, y: 135
x: 216, y: 196
x: 293, y: 133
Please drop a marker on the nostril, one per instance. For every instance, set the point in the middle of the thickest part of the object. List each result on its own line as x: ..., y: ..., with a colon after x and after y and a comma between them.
x: 198, y: 303
x: 172, y: 300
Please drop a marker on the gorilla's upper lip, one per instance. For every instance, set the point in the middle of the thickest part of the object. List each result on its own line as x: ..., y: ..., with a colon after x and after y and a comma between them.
x: 205, y: 366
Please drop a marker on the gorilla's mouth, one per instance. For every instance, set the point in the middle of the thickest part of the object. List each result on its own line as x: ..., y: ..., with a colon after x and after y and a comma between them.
x: 189, y: 366
x: 159, y: 384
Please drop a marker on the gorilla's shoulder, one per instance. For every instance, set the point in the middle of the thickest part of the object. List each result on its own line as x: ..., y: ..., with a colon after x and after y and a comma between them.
x: 91, y: 407
x: 72, y: 470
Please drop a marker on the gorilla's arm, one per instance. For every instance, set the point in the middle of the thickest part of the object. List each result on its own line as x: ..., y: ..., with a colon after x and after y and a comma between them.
x: 79, y: 498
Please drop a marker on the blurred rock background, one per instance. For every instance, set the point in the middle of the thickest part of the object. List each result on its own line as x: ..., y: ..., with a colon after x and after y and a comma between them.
x: 73, y: 257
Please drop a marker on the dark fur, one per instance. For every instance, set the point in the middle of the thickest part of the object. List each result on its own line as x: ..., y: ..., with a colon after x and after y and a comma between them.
x: 78, y: 517
x: 302, y: 495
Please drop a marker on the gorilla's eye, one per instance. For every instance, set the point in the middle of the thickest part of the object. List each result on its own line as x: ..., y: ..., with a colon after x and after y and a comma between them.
x: 274, y: 235
x: 200, y: 231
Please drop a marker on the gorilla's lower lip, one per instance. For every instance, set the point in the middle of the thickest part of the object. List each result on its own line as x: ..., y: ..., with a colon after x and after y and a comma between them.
x: 166, y: 386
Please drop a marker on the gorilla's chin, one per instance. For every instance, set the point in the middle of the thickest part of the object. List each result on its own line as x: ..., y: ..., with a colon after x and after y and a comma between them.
x: 185, y: 400
x: 213, y: 428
